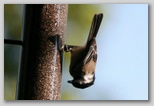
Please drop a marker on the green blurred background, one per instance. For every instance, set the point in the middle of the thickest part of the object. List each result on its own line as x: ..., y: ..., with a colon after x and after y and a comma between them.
x: 12, y: 30
x: 79, y: 21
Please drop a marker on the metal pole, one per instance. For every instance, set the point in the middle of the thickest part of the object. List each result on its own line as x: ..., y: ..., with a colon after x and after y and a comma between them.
x: 41, y: 60
x: 13, y: 42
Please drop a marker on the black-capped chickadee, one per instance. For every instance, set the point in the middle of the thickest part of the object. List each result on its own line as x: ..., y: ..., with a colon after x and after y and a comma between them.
x: 83, y: 58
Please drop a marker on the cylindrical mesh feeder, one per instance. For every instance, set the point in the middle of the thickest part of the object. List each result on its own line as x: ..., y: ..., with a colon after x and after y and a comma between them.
x: 41, y: 60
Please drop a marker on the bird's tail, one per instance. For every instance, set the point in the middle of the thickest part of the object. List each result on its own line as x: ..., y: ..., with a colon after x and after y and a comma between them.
x: 97, y: 19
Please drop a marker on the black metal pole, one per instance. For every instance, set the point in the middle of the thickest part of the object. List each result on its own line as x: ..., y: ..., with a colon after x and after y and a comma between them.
x: 14, y: 42
x: 41, y: 60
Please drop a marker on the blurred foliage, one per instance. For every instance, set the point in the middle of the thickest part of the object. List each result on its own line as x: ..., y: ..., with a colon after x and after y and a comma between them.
x: 79, y: 21
x: 13, y: 20
x: 12, y: 30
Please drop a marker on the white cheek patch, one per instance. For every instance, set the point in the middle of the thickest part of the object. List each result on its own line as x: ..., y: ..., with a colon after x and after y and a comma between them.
x: 88, y: 78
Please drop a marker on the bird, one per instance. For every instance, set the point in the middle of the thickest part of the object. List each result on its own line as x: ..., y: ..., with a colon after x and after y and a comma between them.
x: 84, y: 58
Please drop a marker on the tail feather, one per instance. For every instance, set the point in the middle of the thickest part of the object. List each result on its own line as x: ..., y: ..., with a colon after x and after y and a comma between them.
x: 97, y: 19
